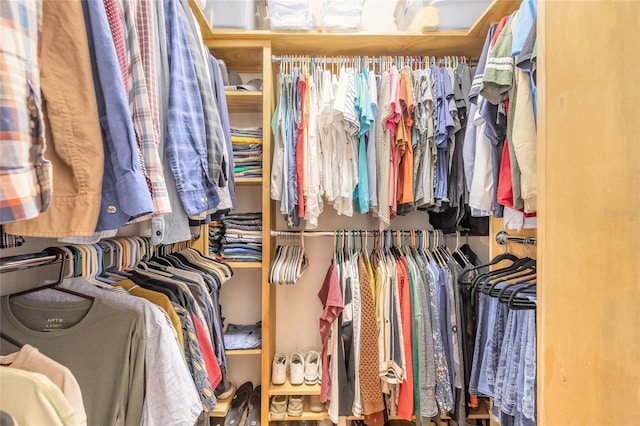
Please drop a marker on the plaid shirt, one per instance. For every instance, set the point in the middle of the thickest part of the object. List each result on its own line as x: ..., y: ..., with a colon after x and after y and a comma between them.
x: 143, y: 120
x: 186, y: 145
x: 212, y: 125
x: 25, y: 175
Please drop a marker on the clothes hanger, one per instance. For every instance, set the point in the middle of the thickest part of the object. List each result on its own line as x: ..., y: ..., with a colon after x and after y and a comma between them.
x: 55, y: 285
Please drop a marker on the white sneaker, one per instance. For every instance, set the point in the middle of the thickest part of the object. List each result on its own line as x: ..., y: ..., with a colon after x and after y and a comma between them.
x: 312, y: 368
x: 296, y: 368
x: 279, y: 369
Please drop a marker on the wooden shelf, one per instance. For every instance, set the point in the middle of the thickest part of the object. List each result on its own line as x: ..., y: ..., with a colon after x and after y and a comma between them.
x: 243, y: 101
x: 235, y: 352
x: 244, y: 265
x: 249, y: 181
x: 222, y: 407
x: 289, y: 389
x: 306, y: 415
x: 482, y: 412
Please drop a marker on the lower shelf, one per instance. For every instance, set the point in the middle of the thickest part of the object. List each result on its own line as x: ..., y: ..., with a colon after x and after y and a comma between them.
x: 234, y: 352
x: 306, y: 415
x: 288, y: 389
x: 222, y: 407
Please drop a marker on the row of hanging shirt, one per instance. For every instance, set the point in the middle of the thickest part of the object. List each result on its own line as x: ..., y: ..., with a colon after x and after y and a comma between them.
x: 500, y: 141
x: 141, y: 133
x: 385, y: 142
x: 392, y: 316
x: 144, y: 341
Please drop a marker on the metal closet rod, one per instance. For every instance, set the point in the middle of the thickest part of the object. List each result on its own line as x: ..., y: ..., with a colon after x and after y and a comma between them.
x: 375, y: 59
x: 503, y: 237
x: 343, y: 231
x: 25, y: 261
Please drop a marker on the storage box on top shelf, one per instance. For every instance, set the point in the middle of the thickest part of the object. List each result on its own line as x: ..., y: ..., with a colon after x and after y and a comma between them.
x: 459, y: 14
x: 342, y: 15
x: 319, y: 15
x: 235, y: 14
x: 292, y: 15
x: 414, y: 16
x: 438, y: 15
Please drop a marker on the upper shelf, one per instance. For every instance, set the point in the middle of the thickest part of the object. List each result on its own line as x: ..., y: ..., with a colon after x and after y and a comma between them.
x: 456, y: 43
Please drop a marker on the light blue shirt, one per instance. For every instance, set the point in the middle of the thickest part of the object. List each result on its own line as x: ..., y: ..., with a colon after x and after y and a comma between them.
x: 526, y: 18
x: 125, y: 194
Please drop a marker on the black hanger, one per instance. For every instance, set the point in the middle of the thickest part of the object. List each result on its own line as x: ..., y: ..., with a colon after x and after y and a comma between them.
x: 11, y: 340
x: 55, y: 286
x: 499, y: 258
x: 482, y: 279
x: 526, y: 269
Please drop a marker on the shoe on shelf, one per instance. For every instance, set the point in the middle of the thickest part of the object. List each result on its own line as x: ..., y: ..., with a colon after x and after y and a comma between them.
x: 315, y: 406
x: 296, y: 405
x: 278, y: 407
x: 312, y: 368
x: 296, y: 368
x: 279, y: 369
x: 253, y: 415
x: 238, y: 405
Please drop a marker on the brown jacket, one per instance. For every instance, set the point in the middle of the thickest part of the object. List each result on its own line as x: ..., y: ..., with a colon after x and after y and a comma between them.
x: 74, y: 140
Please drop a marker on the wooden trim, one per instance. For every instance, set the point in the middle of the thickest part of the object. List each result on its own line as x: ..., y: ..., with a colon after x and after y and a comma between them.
x: 494, y: 13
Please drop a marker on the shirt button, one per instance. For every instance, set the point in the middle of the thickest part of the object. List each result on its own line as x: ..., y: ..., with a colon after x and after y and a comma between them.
x: 111, y: 209
x: 158, y: 233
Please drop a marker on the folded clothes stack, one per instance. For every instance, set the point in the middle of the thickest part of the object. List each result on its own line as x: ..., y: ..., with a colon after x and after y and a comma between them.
x: 243, y: 336
x: 341, y: 15
x: 242, y: 241
x: 216, y: 234
x: 247, y: 151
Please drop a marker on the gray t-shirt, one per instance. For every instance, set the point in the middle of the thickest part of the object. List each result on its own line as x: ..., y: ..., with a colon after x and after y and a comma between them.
x: 100, y: 342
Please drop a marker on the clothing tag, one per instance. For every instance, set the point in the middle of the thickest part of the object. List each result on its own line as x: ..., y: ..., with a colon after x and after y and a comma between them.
x: 53, y: 324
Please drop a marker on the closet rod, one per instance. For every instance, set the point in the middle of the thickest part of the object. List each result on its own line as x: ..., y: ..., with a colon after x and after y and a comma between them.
x: 25, y: 261
x: 333, y: 233
x: 374, y: 59
x: 503, y: 238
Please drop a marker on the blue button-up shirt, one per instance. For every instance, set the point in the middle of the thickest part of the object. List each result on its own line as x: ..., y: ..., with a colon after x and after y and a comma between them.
x: 125, y: 194
x: 186, y: 147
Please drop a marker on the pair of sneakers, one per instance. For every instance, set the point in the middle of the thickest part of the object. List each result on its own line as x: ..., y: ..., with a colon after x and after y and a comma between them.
x: 303, y: 368
x: 294, y: 405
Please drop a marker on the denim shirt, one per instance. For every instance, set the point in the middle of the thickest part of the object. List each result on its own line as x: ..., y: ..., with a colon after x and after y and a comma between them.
x: 125, y: 194
x: 186, y: 147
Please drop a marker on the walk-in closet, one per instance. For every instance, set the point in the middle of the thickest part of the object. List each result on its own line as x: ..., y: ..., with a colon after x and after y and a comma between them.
x: 319, y: 213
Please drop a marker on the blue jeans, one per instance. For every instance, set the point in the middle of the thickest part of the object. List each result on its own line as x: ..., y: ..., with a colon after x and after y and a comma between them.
x: 243, y: 336
x: 481, y: 337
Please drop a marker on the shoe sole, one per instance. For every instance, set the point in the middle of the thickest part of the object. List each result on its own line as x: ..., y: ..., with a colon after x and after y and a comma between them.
x: 277, y: 416
x: 311, y: 381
